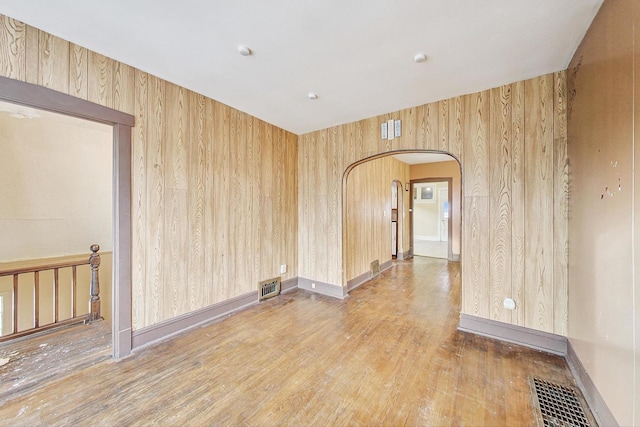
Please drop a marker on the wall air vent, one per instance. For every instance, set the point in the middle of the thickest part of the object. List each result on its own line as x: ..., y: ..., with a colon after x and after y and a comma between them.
x: 269, y: 288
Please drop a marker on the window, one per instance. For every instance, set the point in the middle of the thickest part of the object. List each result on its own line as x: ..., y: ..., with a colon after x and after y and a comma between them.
x: 424, y: 193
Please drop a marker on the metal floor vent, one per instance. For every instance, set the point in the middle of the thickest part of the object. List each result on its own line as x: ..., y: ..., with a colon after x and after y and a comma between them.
x: 269, y: 288
x: 560, y: 406
x: 374, y: 269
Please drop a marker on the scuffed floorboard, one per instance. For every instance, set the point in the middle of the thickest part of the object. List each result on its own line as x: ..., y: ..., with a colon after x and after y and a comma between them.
x: 35, y: 361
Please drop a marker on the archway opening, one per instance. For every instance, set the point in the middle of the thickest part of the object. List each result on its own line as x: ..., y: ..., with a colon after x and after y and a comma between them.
x: 368, y: 214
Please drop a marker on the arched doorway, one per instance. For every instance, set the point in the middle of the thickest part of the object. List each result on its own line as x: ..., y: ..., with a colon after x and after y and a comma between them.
x: 365, y: 212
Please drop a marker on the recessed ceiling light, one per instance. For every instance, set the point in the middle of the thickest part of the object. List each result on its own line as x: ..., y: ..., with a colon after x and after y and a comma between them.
x: 244, y: 50
x: 420, y: 57
x: 312, y: 95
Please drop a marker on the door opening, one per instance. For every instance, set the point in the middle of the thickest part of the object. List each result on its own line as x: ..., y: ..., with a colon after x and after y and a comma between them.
x: 431, y: 217
x: 394, y: 219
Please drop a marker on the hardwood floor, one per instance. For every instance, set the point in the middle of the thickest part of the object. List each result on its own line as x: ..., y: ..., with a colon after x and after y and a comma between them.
x: 389, y: 354
x: 50, y: 356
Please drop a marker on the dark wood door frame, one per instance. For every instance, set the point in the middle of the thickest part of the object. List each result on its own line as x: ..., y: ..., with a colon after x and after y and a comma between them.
x: 35, y: 96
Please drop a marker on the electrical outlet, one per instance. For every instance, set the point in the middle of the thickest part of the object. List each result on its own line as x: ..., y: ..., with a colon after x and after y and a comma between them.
x: 509, y: 304
x: 283, y: 268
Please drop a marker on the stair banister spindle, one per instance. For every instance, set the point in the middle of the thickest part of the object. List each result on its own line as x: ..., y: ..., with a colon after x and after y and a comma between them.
x: 94, y: 302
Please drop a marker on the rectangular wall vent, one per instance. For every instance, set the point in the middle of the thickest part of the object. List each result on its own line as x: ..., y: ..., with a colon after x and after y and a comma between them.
x: 559, y: 405
x: 375, y: 269
x: 269, y: 288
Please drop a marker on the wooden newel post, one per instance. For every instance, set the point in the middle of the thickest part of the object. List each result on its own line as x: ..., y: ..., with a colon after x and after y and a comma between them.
x: 94, y: 302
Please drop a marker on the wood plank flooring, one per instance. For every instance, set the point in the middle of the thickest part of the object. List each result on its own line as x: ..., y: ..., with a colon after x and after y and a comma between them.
x: 389, y: 354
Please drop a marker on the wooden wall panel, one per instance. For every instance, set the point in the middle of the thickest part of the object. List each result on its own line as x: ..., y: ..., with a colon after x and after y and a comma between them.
x: 176, y: 216
x: 560, y: 207
x: 500, y: 240
x: 290, y: 208
x: 539, y: 192
x: 100, y: 85
x: 78, y: 71
x: 443, y: 125
x: 222, y: 192
x: 511, y: 177
x: 334, y: 193
x: 475, y: 256
x: 32, y: 55
x: 517, y: 200
x: 412, y: 119
x: 475, y: 152
x: 53, y: 59
x: 209, y: 206
x: 13, y: 44
x: 458, y: 125
x: 196, y: 200
x: 140, y: 285
x: 155, y: 158
x: 430, y: 126
x: 123, y: 87
x: 195, y: 166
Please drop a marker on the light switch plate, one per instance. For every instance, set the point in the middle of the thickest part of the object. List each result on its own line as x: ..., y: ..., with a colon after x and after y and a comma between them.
x: 398, y: 128
x: 390, y: 132
x: 383, y: 130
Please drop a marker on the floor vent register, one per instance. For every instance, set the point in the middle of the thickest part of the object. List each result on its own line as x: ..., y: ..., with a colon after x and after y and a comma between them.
x: 269, y: 288
x: 559, y: 405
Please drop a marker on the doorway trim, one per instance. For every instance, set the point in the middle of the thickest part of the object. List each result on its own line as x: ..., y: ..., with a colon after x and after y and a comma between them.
x: 449, y: 182
x: 400, y: 215
x: 28, y: 94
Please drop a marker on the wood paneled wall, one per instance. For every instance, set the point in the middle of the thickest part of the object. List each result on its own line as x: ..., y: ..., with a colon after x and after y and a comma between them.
x: 214, y: 191
x: 511, y: 142
x: 204, y: 201
x: 368, y: 212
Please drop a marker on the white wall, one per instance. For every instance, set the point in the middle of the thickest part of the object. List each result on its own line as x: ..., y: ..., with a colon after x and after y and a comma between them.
x: 604, y: 207
x: 55, y: 186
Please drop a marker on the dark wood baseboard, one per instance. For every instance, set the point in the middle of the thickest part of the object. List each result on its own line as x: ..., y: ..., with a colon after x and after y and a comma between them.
x: 327, y: 289
x: 365, y: 277
x: 550, y: 343
x: 594, y: 399
x: 289, y: 285
x: 163, y: 330
x: 544, y: 341
x: 358, y: 281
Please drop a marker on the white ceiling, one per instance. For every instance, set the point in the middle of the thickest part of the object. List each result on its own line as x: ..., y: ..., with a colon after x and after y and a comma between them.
x: 356, y: 55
